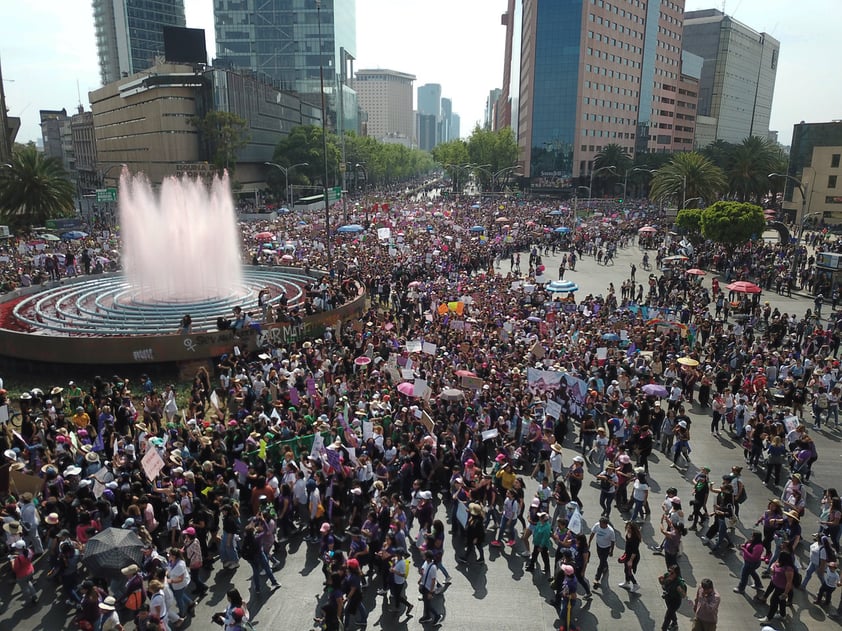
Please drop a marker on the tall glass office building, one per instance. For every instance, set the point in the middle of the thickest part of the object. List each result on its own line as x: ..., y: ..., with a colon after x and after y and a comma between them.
x: 130, y: 34
x: 280, y: 39
x: 591, y: 73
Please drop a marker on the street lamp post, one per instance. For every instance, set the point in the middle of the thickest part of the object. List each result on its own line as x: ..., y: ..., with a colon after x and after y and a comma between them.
x: 633, y: 170
x: 285, y: 171
x: 324, y: 133
x: 687, y: 201
x: 484, y: 169
x: 457, y: 168
x: 361, y: 165
x: 593, y: 173
x: 804, y: 215
x: 576, y: 202
x: 102, y: 179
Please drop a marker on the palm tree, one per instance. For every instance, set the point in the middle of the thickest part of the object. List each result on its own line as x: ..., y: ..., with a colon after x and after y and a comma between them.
x: 719, y: 152
x: 687, y: 176
x: 749, y: 166
x: 613, y: 155
x: 34, y: 188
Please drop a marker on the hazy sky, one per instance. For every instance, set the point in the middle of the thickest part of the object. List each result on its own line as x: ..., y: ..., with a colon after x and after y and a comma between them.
x: 47, y: 47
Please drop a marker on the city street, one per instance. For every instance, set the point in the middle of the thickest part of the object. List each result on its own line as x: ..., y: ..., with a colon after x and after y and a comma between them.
x: 501, y: 595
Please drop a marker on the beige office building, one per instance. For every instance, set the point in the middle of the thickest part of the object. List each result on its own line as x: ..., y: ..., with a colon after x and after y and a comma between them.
x: 386, y: 97
x: 144, y: 121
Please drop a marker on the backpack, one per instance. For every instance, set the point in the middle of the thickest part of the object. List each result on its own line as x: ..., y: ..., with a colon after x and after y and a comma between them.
x: 743, y: 496
x: 248, y: 547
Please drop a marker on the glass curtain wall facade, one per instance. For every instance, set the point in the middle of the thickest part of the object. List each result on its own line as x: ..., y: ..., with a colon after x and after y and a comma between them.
x: 551, y: 45
x: 130, y: 33
x: 280, y: 39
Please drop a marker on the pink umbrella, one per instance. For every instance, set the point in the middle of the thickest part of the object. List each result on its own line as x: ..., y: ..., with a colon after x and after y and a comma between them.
x: 695, y: 271
x: 406, y: 388
x: 362, y: 360
x: 287, y: 257
x: 647, y: 230
x: 744, y: 287
x: 465, y: 373
x: 264, y: 236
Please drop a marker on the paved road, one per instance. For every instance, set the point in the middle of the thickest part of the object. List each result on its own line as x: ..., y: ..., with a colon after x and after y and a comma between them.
x: 501, y: 595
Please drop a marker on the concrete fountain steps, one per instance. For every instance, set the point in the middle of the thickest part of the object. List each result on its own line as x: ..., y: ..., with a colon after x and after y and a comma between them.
x: 112, y: 306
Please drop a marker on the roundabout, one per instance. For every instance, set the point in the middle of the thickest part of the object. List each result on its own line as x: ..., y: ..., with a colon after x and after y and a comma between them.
x: 111, y: 306
x: 106, y: 320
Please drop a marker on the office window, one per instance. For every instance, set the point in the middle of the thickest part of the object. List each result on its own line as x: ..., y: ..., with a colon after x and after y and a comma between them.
x: 834, y: 161
x: 831, y: 181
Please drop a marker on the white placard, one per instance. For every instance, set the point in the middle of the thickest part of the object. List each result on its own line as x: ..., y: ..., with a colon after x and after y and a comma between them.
x: 152, y: 464
x: 429, y: 348
x: 368, y: 430
x: 490, y: 433
x: 352, y: 454
x: 318, y: 445
x: 407, y: 374
x: 420, y: 388
x: 554, y: 409
x: 413, y: 346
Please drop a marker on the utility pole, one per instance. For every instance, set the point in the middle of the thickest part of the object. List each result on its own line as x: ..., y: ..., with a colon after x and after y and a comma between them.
x: 324, y: 135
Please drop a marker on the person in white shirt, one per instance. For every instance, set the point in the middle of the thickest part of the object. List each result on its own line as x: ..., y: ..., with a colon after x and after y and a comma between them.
x: 606, y: 537
x: 178, y: 577
x: 427, y: 584
x: 399, y: 571
x: 828, y: 584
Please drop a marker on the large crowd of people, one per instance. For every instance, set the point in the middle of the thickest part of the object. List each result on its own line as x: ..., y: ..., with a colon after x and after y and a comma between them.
x: 467, y: 383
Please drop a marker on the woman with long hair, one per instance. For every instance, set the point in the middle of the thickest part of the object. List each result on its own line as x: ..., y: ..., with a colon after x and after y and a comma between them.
x: 752, y: 558
x: 783, y: 577
x: 435, y: 543
x: 226, y: 618
x: 632, y: 557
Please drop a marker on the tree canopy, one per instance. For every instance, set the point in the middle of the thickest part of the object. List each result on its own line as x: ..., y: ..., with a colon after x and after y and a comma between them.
x: 732, y: 223
x: 224, y: 134
x: 689, y: 221
x: 484, y: 154
x: 688, y: 176
x: 34, y: 188
x: 368, y: 161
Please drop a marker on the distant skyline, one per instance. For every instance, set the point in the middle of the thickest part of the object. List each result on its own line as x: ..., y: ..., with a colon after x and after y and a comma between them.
x: 48, y: 48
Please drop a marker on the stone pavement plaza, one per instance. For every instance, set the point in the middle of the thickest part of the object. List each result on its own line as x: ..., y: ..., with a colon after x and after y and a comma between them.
x: 501, y: 595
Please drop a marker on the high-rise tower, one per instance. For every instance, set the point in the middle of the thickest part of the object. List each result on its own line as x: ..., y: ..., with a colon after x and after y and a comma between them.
x: 130, y: 33
x: 280, y: 39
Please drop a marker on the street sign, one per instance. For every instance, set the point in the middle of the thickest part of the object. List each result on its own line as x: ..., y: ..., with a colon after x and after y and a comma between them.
x: 106, y: 194
x: 334, y: 194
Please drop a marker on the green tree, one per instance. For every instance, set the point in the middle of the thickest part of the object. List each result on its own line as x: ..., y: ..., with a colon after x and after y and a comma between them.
x: 224, y: 134
x: 688, y: 176
x: 732, y: 223
x: 689, y: 222
x: 612, y: 155
x: 304, y: 144
x: 720, y: 152
x: 452, y: 156
x: 749, y: 166
x: 34, y: 188
x: 493, y: 150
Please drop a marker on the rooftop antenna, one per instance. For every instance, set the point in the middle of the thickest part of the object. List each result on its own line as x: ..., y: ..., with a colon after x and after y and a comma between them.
x: 78, y: 94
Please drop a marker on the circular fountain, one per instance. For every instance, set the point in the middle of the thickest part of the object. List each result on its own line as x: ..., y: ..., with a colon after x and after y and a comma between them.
x: 181, y: 256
